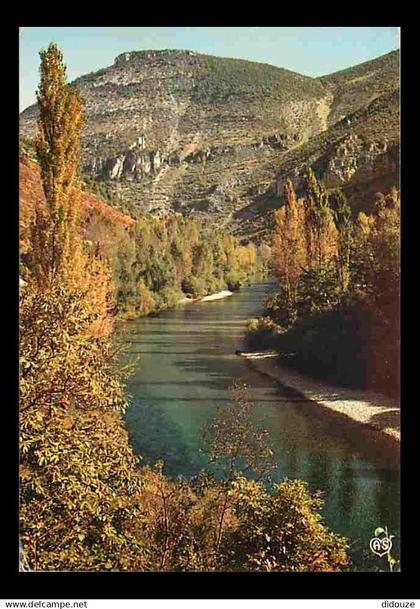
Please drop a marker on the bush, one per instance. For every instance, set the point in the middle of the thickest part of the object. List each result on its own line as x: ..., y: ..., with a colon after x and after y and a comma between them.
x: 194, y: 286
x: 319, y: 289
x: 145, y: 300
x: 167, y: 297
x: 178, y: 254
x: 222, y: 521
x: 266, y: 538
x: 78, y: 474
x: 262, y: 531
x: 353, y: 345
x: 263, y: 333
x: 279, y: 308
x: 233, y: 281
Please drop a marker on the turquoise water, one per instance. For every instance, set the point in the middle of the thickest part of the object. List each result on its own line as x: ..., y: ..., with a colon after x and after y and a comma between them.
x: 186, y: 364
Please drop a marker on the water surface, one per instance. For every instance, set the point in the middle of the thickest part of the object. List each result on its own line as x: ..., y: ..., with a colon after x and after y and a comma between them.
x: 186, y: 364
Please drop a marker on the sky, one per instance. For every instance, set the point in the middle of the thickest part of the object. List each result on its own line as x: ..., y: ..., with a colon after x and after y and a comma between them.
x: 312, y: 51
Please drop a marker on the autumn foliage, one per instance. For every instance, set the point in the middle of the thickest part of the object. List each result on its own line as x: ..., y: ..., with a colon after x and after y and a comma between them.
x: 85, y: 502
x: 77, y: 474
x: 306, y: 240
x: 337, y: 304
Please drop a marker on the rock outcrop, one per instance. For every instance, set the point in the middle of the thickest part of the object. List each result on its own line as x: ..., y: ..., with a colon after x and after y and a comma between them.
x: 177, y: 130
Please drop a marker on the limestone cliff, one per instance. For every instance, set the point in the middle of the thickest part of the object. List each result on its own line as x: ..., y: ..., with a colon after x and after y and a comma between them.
x: 177, y: 130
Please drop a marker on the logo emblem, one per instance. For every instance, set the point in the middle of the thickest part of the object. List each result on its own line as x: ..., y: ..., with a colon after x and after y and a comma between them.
x: 381, y: 545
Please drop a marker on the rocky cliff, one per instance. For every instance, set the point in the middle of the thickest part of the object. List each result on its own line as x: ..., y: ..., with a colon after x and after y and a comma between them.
x: 176, y: 130
x: 99, y: 221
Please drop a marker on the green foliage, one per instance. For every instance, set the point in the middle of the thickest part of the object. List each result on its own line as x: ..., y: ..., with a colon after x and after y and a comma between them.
x: 342, y: 218
x: 263, y: 333
x: 233, y: 442
x: 78, y: 480
x: 377, y: 69
x: 281, y: 531
x: 167, y: 297
x: 375, y: 263
x: 110, y: 195
x: 290, y: 241
x: 331, y: 345
x: 319, y: 289
x: 175, y: 256
x: 194, y: 286
x: 222, y: 77
x: 306, y: 245
x: 85, y: 504
x: 233, y: 281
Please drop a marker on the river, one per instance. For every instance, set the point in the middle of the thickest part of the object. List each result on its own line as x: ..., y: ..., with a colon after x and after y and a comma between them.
x: 186, y: 363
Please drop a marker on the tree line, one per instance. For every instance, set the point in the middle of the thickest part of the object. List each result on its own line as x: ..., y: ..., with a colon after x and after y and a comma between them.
x: 162, y: 260
x: 336, y: 309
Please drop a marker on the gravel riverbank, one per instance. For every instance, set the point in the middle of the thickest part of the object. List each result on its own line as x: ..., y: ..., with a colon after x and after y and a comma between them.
x: 378, y: 412
x: 215, y: 296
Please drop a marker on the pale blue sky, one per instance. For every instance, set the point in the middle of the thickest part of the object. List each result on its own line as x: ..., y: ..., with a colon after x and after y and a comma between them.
x: 308, y: 50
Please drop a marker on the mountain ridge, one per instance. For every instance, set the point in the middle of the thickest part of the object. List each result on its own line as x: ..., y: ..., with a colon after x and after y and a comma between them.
x: 176, y: 130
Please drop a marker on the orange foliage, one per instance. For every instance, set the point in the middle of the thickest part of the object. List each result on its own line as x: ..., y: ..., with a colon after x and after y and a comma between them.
x: 289, y: 243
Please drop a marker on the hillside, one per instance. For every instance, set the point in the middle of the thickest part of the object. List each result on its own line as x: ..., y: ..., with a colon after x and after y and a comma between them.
x: 177, y: 130
x: 361, y: 157
x: 99, y: 220
x: 356, y: 87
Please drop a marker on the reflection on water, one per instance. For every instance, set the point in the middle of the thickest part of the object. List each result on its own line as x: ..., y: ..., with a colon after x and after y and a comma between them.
x: 186, y: 364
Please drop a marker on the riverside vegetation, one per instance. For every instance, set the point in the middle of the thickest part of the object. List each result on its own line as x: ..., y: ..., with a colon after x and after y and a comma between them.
x: 336, y: 311
x: 157, y: 261
x: 163, y: 260
x: 85, y: 502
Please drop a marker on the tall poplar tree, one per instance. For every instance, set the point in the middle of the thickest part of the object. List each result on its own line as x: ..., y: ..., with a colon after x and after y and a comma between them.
x: 56, y: 243
x: 72, y: 503
x: 342, y: 217
x: 289, y: 245
x: 320, y: 232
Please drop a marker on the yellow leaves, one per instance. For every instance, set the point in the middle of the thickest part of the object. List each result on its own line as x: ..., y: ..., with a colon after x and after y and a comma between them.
x: 75, y: 463
x: 68, y: 423
x: 25, y: 473
x: 289, y: 243
x: 365, y: 222
x: 39, y: 416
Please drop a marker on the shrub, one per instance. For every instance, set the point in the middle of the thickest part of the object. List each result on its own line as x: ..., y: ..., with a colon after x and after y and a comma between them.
x: 280, y: 309
x: 319, y: 289
x: 145, y: 300
x: 222, y: 521
x: 263, y: 333
x: 78, y: 480
x: 267, y: 537
x: 194, y: 286
x: 233, y: 281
